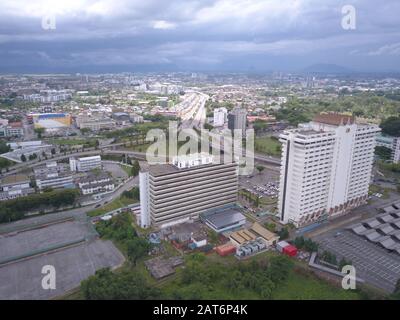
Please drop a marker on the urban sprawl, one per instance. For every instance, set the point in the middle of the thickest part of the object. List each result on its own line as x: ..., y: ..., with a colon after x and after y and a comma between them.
x: 77, y: 190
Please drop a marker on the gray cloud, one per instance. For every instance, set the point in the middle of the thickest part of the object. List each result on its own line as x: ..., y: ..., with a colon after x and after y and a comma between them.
x: 195, y: 35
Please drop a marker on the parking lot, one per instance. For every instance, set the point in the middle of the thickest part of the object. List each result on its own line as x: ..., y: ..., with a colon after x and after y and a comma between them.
x: 23, y: 280
x: 374, y: 264
x: 264, y: 183
x: 71, y: 246
x: 16, y: 244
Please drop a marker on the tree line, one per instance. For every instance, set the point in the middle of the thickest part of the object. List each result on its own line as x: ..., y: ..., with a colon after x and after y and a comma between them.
x: 16, y: 209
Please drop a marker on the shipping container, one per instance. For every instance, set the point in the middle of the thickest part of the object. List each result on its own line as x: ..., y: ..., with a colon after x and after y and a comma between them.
x: 290, y: 250
x: 226, y: 249
x: 280, y: 245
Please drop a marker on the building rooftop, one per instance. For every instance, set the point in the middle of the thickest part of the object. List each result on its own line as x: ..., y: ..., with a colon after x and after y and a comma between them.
x: 163, y: 169
x: 16, y: 178
x: 225, y: 218
x: 335, y: 119
x: 263, y: 232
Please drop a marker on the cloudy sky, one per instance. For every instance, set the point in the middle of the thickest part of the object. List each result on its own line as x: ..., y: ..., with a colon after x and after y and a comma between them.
x: 197, y: 35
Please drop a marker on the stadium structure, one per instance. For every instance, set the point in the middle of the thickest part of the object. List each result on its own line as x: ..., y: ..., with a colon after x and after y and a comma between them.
x: 51, y: 120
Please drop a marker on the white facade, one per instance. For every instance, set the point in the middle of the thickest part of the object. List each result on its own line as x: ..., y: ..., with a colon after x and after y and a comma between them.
x: 54, y: 180
x: 325, y: 170
x: 396, y: 151
x: 85, y: 163
x: 220, y: 116
x: 170, y: 194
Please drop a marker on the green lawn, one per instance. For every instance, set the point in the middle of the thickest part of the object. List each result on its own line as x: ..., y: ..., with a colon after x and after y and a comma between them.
x: 127, y: 169
x: 117, y: 203
x: 308, y: 287
x: 267, y: 145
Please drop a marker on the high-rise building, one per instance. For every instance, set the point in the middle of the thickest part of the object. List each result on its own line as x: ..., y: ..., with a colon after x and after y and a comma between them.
x: 237, y: 120
x: 220, y: 116
x: 177, y: 192
x: 326, y: 168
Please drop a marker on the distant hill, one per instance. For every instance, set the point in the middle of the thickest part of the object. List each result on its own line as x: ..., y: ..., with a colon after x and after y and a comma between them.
x: 326, y: 68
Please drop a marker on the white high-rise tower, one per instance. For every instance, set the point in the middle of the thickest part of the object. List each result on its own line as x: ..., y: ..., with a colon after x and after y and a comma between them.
x: 326, y: 168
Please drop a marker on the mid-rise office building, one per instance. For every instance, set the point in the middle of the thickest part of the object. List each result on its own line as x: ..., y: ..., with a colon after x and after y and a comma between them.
x: 220, y: 116
x: 181, y: 191
x: 326, y: 168
x: 85, y: 163
x: 237, y: 120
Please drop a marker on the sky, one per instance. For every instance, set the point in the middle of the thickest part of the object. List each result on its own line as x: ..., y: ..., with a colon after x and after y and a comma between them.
x: 198, y: 35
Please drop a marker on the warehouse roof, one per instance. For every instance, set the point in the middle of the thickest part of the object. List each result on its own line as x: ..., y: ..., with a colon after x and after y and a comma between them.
x: 358, y: 228
x: 243, y: 236
x: 385, y: 218
x: 372, y: 223
x: 372, y: 235
x: 225, y: 218
x: 261, y: 231
x: 388, y: 243
x: 385, y: 228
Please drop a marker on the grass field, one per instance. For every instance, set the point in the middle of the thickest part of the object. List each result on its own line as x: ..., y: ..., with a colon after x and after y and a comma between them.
x: 308, y: 287
x: 117, y: 203
x: 267, y: 145
x: 127, y: 169
x: 299, y: 285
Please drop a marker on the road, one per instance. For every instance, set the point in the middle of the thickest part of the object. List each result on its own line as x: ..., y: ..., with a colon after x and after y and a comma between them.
x: 132, y: 182
x: 192, y: 110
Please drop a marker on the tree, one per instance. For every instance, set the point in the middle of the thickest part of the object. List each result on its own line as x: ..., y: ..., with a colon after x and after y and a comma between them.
x: 391, y: 126
x: 283, y: 233
x: 128, y: 284
x: 40, y: 132
x: 135, y: 168
x: 271, y: 226
x: 260, y: 168
x: 383, y: 152
x: 137, y: 248
x: 23, y: 158
x: 4, y: 147
x: 53, y: 151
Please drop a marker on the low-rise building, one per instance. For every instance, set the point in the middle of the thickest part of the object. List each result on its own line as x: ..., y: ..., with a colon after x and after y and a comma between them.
x: 15, y: 186
x: 96, y: 183
x: 55, y: 180
x: 85, y: 163
x: 13, y: 194
x: 15, y: 182
x: 13, y: 129
x: 95, y: 123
